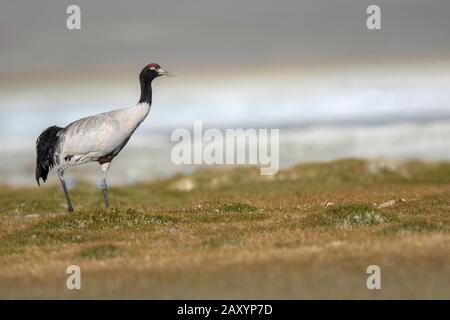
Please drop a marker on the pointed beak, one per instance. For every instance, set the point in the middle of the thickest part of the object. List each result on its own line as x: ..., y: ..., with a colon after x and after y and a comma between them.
x: 162, y: 72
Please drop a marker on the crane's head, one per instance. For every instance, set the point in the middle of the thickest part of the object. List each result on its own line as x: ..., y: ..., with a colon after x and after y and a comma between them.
x: 152, y: 71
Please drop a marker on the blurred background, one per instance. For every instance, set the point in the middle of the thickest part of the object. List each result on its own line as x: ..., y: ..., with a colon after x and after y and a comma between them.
x: 310, y: 68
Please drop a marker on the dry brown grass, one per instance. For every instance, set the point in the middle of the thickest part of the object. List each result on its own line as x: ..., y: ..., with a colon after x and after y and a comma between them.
x: 309, y: 232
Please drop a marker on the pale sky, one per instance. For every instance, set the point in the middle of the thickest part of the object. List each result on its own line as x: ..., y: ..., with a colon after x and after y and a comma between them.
x: 213, y: 34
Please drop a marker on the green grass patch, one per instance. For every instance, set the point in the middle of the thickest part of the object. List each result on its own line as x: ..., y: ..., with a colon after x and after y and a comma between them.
x: 101, y: 219
x: 349, y: 215
x: 82, y: 227
x: 224, y: 217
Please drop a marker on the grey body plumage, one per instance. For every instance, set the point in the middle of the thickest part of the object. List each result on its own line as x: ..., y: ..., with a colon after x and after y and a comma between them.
x: 97, y: 138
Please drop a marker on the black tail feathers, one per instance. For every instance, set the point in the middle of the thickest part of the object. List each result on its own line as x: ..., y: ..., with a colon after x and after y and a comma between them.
x: 45, y: 150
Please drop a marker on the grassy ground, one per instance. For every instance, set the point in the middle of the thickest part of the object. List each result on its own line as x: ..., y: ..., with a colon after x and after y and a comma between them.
x: 309, y: 232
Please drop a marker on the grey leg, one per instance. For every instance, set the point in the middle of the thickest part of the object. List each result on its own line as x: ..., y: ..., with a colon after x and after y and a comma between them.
x: 105, y: 167
x: 63, y: 183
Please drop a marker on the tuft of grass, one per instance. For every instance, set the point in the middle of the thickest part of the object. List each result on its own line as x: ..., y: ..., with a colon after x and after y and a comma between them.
x: 102, y: 251
x: 350, y: 215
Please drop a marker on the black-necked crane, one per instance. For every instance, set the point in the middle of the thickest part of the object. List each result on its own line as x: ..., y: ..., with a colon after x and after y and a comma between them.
x: 97, y: 138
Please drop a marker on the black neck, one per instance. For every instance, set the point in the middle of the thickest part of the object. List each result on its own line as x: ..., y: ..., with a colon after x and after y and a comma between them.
x: 146, y: 90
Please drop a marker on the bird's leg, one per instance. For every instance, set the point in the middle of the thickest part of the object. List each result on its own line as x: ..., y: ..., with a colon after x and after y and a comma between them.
x: 66, y: 193
x: 105, y: 167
